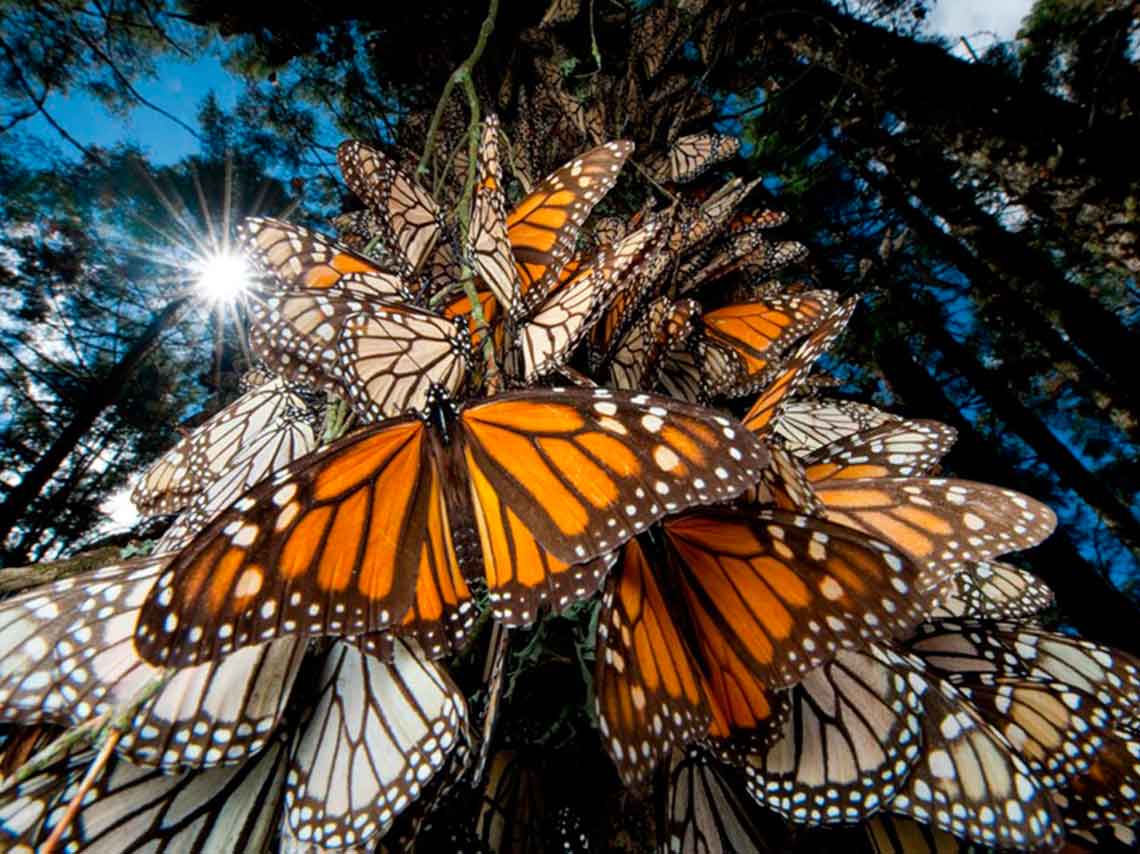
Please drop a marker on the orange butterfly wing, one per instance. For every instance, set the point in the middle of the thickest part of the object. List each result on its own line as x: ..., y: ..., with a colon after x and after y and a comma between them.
x: 788, y: 591
x: 585, y: 470
x: 942, y: 525
x: 651, y: 696
x: 329, y: 545
x: 543, y: 228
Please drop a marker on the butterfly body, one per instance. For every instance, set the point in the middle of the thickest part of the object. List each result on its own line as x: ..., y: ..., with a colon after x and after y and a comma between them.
x: 365, y: 534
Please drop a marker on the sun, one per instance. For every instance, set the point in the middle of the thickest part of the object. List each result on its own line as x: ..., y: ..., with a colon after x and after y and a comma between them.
x: 223, y: 276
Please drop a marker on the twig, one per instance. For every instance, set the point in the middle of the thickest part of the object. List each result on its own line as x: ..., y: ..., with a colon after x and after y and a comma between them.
x: 117, y: 720
x: 98, y: 764
x: 459, y: 75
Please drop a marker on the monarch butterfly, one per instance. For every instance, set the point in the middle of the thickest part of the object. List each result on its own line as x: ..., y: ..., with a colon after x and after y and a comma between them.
x: 689, y: 156
x: 701, y: 812
x: 767, y: 596
x: 748, y: 248
x: 67, y: 656
x: 1112, y: 676
x: 378, y: 733
x: 809, y: 424
x: 1055, y: 727
x: 755, y: 334
x: 969, y: 781
x: 559, y: 12
x: 543, y: 227
x: 216, y: 811
x: 756, y: 220
x: 654, y: 39
x: 699, y: 224
x: 992, y: 590
x: 266, y: 425
x: 299, y: 260
x: 902, y: 448
x: 403, y: 212
x: 843, y: 751
x: 943, y: 525
x: 857, y: 726
x: 664, y: 327
x: 384, y: 358
x: 768, y: 407
x: 554, y: 479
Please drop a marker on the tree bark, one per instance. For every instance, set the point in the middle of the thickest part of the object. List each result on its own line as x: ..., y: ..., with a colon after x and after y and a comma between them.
x: 103, y: 395
x: 1013, y: 292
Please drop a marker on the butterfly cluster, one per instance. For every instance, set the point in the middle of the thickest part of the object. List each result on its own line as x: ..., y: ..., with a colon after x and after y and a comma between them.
x: 553, y: 409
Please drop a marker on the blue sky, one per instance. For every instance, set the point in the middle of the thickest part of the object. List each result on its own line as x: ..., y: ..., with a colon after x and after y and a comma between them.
x: 178, y: 88
x: 181, y: 85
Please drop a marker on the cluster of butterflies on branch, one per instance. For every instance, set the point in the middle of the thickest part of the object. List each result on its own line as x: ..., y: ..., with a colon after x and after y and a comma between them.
x: 792, y: 610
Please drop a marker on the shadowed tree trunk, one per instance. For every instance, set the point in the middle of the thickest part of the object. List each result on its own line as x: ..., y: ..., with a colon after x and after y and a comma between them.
x: 103, y: 395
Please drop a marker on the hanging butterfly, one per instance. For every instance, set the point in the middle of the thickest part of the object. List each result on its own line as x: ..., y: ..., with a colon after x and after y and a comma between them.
x: 130, y: 808
x: 992, y: 590
x: 761, y: 599
x: 383, y: 358
x: 744, y: 341
x: 767, y: 409
x: 690, y: 156
x: 874, y: 730
x: 655, y: 39
x: 969, y: 781
x: 67, y: 656
x: 295, y: 259
x: 808, y: 424
x: 841, y: 754
x: 747, y: 249
x: 268, y: 425
x: 1110, y: 675
x: 362, y: 535
x: 542, y: 229
x: 700, y: 811
x: 1054, y: 727
x: 402, y: 212
x: 378, y: 734
x: 662, y: 328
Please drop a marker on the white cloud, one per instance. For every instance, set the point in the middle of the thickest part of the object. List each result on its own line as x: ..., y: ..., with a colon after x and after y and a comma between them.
x: 982, y: 22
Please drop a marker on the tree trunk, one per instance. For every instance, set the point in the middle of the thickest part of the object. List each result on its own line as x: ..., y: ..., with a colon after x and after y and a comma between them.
x: 975, y: 109
x: 1097, y: 383
x: 103, y: 395
x: 1093, y: 327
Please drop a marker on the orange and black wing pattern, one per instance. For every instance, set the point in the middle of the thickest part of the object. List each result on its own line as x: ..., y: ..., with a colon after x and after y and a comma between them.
x: 651, y: 694
x: 544, y: 227
x: 900, y: 449
x: 943, y: 525
x: 490, y: 243
x: 795, y: 370
x: 523, y: 577
x: 585, y: 470
x: 405, y: 213
x: 300, y: 260
x: 330, y: 545
x: 785, y: 592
